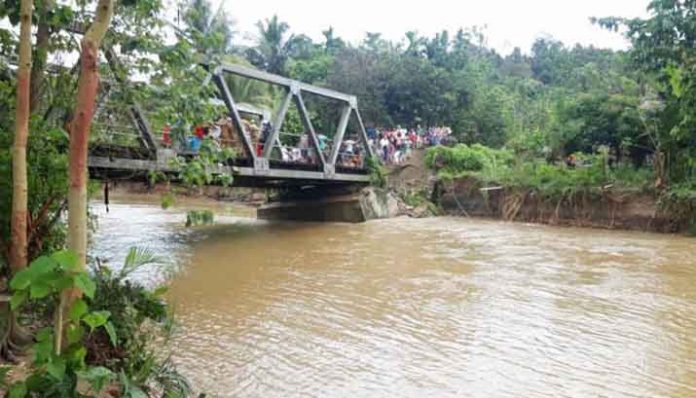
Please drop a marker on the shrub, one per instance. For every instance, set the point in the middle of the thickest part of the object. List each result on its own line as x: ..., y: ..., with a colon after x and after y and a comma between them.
x: 378, y: 177
x: 109, y: 333
x: 199, y: 217
x: 592, y: 174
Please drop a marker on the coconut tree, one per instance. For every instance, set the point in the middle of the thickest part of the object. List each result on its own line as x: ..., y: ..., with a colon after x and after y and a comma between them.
x: 211, y: 31
x: 275, y: 45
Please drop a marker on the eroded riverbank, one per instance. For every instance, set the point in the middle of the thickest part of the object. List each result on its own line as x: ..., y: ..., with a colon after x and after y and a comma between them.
x: 604, y: 207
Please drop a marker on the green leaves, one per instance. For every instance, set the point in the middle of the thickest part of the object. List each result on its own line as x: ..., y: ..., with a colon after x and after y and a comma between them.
x: 130, y: 390
x: 83, y: 282
x: 38, y: 267
x: 111, y: 331
x: 18, y: 299
x: 18, y: 390
x: 56, y: 368
x: 199, y: 217
x: 40, y: 289
x: 137, y: 257
x: 68, y: 260
x: 96, y: 319
x: 48, y: 276
x: 97, y: 377
x: 78, y: 310
x: 74, y: 333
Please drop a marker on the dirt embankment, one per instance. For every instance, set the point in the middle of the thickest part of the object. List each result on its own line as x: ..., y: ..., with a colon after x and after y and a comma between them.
x: 469, y: 198
x: 411, y: 177
x: 412, y: 183
x: 608, y: 209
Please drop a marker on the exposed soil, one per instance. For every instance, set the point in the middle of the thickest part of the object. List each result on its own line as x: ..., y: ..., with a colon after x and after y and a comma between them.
x: 609, y: 210
x: 467, y: 197
x: 411, y: 177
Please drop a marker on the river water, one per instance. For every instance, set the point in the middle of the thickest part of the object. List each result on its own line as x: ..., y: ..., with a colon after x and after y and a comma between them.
x: 441, y: 307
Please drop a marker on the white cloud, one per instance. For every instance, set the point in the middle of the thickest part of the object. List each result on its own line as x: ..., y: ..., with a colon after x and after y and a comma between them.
x: 509, y: 23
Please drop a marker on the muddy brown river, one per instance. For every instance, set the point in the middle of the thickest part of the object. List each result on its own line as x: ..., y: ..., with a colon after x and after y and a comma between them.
x: 441, y: 307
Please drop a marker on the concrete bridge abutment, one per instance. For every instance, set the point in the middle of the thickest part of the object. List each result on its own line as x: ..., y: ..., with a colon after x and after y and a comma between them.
x: 330, y: 205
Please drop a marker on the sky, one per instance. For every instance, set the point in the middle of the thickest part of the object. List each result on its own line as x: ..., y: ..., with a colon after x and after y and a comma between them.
x: 508, y: 23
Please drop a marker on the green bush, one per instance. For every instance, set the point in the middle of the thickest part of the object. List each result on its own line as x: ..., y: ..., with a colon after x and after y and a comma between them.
x: 110, y: 335
x: 141, y: 323
x: 463, y: 158
x: 199, y: 217
x: 378, y: 177
x: 592, y: 174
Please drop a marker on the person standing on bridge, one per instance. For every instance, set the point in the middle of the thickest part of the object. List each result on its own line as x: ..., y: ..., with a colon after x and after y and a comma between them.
x: 265, y: 133
x: 384, y: 148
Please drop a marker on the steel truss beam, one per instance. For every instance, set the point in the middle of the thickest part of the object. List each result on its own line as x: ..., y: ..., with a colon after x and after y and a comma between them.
x: 234, y: 114
x: 295, y: 91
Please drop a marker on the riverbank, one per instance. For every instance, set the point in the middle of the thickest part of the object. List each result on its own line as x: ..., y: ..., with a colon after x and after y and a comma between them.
x: 607, y: 210
x: 607, y: 207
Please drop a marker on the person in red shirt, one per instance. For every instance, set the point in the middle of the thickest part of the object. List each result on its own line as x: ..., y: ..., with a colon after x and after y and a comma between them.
x: 166, y: 137
x: 199, y: 132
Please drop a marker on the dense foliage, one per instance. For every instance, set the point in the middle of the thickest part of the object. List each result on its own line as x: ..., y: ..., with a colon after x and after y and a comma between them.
x: 592, y: 174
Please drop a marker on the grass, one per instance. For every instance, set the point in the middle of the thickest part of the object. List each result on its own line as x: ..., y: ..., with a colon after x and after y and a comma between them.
x: 502, y: 167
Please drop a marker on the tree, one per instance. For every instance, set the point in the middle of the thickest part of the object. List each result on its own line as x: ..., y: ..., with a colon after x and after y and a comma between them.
x: 211, y: 32
x: 664, y: 49
x: 274, y: 46
x: 549, y: 61
x: 332, y: 44
x: 79, y: 139
x: 18, y: 246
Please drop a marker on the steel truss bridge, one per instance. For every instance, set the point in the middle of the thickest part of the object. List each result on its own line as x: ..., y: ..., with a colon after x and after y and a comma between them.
x: 254, y: 167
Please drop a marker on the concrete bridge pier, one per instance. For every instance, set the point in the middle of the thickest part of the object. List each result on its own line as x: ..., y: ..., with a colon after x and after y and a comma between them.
x: 327, y: 205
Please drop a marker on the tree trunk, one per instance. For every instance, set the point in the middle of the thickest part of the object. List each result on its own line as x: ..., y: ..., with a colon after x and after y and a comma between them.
x: 38, y: 69
x: 79, y: 137
x: 18, y: 247
x: 79, y: 130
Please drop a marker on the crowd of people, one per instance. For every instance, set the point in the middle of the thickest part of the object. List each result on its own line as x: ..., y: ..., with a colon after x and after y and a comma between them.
x: 350, y: 154
x: 288, y: 147
x: 394, y: 146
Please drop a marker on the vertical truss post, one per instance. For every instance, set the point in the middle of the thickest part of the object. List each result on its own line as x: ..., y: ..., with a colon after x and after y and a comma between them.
x: 340, y: 133
x: 363, y: 133
x: 234, y: 113
x: 144, y: 128
x: 277, y: 125
x: 308, y: 125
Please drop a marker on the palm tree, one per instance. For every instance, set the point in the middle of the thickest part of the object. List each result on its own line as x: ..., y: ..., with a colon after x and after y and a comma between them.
x: 274, y: 47
x: 332, y: 43
x: 211, y: 32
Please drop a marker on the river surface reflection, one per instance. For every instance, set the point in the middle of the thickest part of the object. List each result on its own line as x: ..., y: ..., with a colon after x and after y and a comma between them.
x: 440, y: 307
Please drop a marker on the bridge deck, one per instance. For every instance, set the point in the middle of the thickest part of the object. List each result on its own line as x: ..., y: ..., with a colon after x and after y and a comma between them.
x: 278, y: 176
